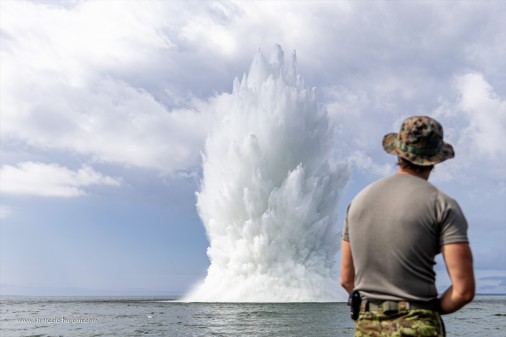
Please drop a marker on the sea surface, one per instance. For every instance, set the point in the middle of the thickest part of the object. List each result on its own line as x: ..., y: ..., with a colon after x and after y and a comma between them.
x: 162, y: 316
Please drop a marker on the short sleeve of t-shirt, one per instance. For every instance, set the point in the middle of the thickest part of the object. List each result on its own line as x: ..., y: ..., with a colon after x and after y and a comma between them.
x: 453, y: 224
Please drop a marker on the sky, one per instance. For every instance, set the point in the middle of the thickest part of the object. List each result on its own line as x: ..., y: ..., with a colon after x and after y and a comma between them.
x: 105, y: 107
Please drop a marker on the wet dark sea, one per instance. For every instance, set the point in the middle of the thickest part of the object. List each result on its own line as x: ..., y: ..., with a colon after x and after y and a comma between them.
x: 162, y: 316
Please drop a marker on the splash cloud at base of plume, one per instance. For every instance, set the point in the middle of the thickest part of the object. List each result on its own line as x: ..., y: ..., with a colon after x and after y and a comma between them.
x: 269, y: 192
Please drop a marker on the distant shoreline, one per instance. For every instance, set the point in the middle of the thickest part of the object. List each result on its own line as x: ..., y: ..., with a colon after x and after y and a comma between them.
x: 492, y: 294
x: 166, y: 297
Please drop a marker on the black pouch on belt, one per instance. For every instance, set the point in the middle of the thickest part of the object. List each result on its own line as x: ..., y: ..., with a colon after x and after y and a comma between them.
x: 354, y: 302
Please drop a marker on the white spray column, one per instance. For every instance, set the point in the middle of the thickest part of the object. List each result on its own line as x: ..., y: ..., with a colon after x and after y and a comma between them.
x: 269, y: 194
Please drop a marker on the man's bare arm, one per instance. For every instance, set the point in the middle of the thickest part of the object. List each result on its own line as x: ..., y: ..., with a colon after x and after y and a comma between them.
x: 459, y: 263
x: 347, y: 269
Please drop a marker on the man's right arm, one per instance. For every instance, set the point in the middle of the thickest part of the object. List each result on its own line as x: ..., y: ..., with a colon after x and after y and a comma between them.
x: 347, y: 268
x: 459, y: 263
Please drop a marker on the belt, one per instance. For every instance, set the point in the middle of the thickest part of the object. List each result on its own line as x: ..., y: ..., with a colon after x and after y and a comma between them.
x: 389, y: 307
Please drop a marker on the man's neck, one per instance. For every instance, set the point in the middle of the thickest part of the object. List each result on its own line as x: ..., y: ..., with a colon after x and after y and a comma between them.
x: 424, y: 175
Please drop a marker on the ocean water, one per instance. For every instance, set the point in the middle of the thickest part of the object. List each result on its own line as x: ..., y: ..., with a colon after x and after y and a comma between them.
x: 158, y: 316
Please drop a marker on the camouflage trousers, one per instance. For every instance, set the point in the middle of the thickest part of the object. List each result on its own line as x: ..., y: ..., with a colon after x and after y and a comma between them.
x: 412, y: 323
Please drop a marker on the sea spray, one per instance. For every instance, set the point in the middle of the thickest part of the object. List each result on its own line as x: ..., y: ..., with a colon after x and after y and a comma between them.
x: 269, y: 192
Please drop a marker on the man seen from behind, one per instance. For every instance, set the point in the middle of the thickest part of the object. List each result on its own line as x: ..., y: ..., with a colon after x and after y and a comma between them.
x: 393, y: 230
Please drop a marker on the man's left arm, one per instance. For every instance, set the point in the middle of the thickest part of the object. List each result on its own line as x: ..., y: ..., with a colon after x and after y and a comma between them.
x: 459, y: 263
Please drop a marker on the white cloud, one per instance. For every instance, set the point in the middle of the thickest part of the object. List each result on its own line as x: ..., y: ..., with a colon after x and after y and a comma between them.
x: 73, y: 43
x: 107, y: 83
x: 471, y: 112
x: 112, y: 122
x: 64, y: 88
x: 50, y: 180
x: 475, y: 124
x: 5, y: 212
x: 363, y: 162
x: 485, y: 135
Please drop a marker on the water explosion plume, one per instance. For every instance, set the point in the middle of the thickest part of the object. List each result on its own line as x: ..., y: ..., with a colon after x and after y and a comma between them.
x: 269, y: 193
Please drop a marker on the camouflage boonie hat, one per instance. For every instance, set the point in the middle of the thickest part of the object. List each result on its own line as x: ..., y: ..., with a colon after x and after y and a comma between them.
x: 420, y: 141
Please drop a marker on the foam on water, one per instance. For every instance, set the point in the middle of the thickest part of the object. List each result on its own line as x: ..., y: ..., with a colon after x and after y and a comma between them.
x: 269, y: 192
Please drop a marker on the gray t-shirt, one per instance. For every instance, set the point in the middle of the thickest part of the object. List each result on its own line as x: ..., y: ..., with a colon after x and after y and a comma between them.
x: 396, y: 226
